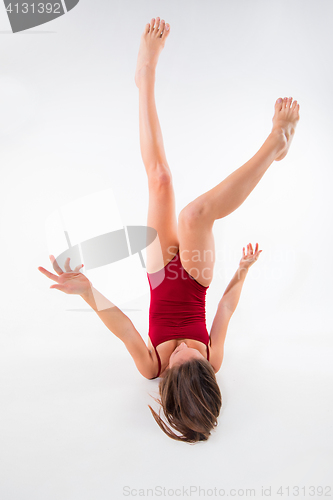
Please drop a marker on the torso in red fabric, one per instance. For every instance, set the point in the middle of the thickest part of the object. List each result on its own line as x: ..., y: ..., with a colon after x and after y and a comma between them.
x: 177, y: 305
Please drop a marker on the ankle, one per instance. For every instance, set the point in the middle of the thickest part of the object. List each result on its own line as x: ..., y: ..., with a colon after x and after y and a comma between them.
x: 277, y: 139
x: 145, y: 75
x: 148, y: 69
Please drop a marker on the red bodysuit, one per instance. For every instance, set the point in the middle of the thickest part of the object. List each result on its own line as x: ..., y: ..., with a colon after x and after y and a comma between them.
x: 177, y: 306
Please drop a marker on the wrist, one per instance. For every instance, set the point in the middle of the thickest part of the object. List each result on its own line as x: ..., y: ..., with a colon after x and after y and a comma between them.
x: 242, y: 271
x: 88, y: 294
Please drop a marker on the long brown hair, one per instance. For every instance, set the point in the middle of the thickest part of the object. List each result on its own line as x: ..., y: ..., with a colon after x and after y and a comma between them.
x: 191, y: 401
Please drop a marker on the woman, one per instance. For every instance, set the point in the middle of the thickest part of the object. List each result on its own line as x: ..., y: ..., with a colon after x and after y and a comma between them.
x: 180, y: 265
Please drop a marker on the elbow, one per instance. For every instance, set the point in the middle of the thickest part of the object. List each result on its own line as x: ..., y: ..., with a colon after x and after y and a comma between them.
x: 227, y: 306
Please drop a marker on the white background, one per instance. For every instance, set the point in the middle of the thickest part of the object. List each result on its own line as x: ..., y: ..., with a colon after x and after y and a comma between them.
x: 74, y: 420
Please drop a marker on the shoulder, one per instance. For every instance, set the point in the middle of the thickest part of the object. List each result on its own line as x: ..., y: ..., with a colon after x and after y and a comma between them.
x: 143, y: 358
x: 218, y: 334
x: 147, y: 364
x: 216, y: 354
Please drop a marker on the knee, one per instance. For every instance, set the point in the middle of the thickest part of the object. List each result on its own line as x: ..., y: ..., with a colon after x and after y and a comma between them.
x: 160, y: 176
x: 192, y: 214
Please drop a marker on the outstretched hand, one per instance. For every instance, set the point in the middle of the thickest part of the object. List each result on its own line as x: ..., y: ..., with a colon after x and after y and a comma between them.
x: 72, y: 282
x: 249, y: 257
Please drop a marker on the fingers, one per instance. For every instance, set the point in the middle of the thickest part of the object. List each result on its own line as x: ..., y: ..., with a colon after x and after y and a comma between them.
x: 58, y: 287
x: 48, y: 274
x: 58, y: 269
x: 67, y: 266
x: 250, y: 251
x: 55, y: 265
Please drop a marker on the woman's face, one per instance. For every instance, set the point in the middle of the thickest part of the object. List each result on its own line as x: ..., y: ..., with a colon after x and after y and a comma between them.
x: 184, y: 353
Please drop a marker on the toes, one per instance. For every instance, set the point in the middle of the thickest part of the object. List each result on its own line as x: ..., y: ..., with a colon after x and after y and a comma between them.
x: 278, y: 104
x: 166, y: 31
x: 162, y: 27
x: 152, y: 24
x: 157, y: 26
x: 285, y: 102
x: 147, y: 28
x: 288, y: 102
x: 294, y: 105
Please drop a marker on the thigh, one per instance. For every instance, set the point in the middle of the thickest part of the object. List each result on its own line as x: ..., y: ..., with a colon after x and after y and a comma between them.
x: 196, y: 243
x: 162, y: 217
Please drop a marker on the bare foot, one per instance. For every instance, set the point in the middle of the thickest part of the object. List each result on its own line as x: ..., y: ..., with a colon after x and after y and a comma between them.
x: 285, y: 120
x: 152, y: 42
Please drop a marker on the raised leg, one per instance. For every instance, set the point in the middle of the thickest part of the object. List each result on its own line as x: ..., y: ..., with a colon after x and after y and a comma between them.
x: 196, y: 241
x: 161, y: 208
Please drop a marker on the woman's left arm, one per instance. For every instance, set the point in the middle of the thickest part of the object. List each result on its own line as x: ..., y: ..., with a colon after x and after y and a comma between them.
x: 227, y: 306
x: 232, y: 293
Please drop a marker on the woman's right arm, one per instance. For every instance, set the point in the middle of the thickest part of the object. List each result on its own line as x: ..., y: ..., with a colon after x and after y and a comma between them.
x: 122, y: 327
x: 115, y: 320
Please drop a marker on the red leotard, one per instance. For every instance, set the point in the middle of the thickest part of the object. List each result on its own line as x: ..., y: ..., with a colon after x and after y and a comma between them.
x: 177, y: 306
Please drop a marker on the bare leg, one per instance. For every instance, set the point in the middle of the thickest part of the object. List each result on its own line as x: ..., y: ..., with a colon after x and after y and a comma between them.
x: 161, y: 209
x: 196, y: 220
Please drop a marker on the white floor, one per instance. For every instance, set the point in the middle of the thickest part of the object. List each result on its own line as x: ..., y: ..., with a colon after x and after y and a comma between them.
x: 74, y: 420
